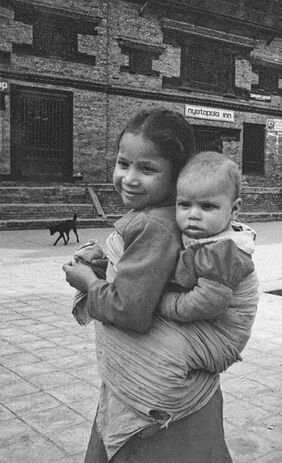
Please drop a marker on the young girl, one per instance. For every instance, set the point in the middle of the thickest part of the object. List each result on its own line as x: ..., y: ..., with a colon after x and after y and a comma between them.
x: 152, y: 149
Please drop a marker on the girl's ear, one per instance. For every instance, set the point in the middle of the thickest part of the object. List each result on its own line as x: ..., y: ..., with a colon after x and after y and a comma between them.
x: 236, y: 207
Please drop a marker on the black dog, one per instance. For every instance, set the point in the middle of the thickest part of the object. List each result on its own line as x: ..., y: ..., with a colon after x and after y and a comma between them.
x: 63, y: 228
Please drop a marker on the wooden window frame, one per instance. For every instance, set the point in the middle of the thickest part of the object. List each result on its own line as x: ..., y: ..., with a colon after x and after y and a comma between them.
x: 263, y: 73
x: 66, y: 26
x: 221, y: 63
x: 140, y: 56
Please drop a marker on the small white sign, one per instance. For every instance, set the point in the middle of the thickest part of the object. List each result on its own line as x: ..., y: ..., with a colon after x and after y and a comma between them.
x: 212, y: 114
x: 274, y: 125
x: 260, y: 97
x: 4, y: 86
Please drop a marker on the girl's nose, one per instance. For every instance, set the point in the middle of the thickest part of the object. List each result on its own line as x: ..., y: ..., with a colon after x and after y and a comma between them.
x: 131, y: 177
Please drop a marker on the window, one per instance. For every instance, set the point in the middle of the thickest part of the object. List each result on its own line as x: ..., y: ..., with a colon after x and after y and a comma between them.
x: 140, y: 57
x: 208, y: 57
x: 207, y: 65
x: 52, y: 37
x: 268, y: 79
x: 5, y: 57
x: 55, y: 33
x: 212, y: 138
x: 139, y: 62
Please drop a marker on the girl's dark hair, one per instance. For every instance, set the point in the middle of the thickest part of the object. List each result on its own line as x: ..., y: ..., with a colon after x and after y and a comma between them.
x: 168, y: 130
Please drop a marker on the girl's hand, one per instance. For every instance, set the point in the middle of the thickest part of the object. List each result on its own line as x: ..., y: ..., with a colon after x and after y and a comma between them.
x: 79, y: 275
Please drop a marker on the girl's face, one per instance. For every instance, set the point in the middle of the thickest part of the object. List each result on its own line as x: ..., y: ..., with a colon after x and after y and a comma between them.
x: 204, y: 206
x: 141, y: 176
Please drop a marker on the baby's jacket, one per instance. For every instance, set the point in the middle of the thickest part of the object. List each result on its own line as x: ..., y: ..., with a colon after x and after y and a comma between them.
x: 212, y: 273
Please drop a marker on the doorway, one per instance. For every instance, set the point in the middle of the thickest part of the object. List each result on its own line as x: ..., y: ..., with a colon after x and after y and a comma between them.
x: 41, y: 135
x: 253, y: 149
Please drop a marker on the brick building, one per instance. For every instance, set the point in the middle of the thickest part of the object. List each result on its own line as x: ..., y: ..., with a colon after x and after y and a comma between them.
x: 73, y: 71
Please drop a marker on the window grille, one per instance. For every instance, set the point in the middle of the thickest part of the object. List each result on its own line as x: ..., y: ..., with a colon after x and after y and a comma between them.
x: 140, y: 62
x: 207, y: 67
x: 52, y: 37
x: 5, y: 57
x: 140, y: 56
x: 268, y: 80
x: 55, y: 33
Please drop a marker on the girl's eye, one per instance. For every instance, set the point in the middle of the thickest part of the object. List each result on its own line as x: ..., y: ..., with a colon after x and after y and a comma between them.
x: 122, y: 164
x: 147, y: 169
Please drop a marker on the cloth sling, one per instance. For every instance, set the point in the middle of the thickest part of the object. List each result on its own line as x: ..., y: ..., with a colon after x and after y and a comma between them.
x: 172, y: 370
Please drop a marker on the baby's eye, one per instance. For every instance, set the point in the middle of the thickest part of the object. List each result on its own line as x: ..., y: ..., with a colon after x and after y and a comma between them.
x: 183, y: 205
x: 208, y: 207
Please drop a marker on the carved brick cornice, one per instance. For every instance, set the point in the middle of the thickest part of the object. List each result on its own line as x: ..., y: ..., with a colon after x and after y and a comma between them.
x: 267, y: 64
x: 125, y: 42
x: 31, y: 9
x: 209, y: 34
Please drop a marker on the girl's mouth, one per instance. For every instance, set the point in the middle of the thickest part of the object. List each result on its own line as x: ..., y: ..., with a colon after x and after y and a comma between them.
x: 131, y: 193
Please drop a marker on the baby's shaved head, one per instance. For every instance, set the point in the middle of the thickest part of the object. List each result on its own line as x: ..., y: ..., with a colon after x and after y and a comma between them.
x: 211, y: 164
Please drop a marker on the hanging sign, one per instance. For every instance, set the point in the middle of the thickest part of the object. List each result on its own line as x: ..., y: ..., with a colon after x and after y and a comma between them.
x: 212, y: 114
x: 4, y: 86
x: 274, y: 125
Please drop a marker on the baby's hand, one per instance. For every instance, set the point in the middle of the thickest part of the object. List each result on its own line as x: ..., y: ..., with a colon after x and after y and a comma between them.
x: 90, y: 252
x: 79, y: 275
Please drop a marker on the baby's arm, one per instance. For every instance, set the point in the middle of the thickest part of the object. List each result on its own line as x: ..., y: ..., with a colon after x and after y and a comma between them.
x: 219, y: 266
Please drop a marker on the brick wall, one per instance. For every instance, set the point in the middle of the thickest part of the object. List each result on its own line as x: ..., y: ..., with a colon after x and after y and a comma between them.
x: 100, y: 114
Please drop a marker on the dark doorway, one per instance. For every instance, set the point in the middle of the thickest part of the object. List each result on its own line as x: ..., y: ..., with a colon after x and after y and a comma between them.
x: 41, y: 134
x: 253, y: 149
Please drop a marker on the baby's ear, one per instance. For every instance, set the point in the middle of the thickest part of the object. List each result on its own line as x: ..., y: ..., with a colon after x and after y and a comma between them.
x: 236, y: 207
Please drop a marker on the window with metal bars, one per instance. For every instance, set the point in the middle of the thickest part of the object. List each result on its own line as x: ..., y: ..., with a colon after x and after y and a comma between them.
x: 207, y: 65
x: 140, y: 62
x: 54, y: 37
x: 268, y: 79
x: 55, y: 33
x: 140, y: 57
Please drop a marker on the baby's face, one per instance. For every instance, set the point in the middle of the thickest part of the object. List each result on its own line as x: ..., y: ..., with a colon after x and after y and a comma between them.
x: 204, y: 205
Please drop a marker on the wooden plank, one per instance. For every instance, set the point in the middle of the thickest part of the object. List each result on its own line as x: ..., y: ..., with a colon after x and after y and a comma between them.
x: 96, y: 202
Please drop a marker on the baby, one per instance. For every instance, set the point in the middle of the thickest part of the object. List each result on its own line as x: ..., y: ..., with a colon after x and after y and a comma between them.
x: 216, y: 266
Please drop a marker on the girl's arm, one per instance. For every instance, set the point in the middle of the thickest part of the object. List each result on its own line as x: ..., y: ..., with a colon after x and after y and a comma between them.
x: 150, y: 253
x: 219, y: 267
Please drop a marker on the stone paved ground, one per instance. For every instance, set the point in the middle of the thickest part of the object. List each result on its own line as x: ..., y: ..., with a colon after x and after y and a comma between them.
x: 48, y: 378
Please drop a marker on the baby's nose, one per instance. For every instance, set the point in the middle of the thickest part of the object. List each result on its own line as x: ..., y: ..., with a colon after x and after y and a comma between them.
x: 194, y: 212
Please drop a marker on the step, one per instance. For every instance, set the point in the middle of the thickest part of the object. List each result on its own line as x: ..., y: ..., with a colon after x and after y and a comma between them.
x: 34, y: 224
x: 257, y: 199
x: 58, y: 211
x: 261, y: 216
x: 37, y: 223
x: 22, y: 194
